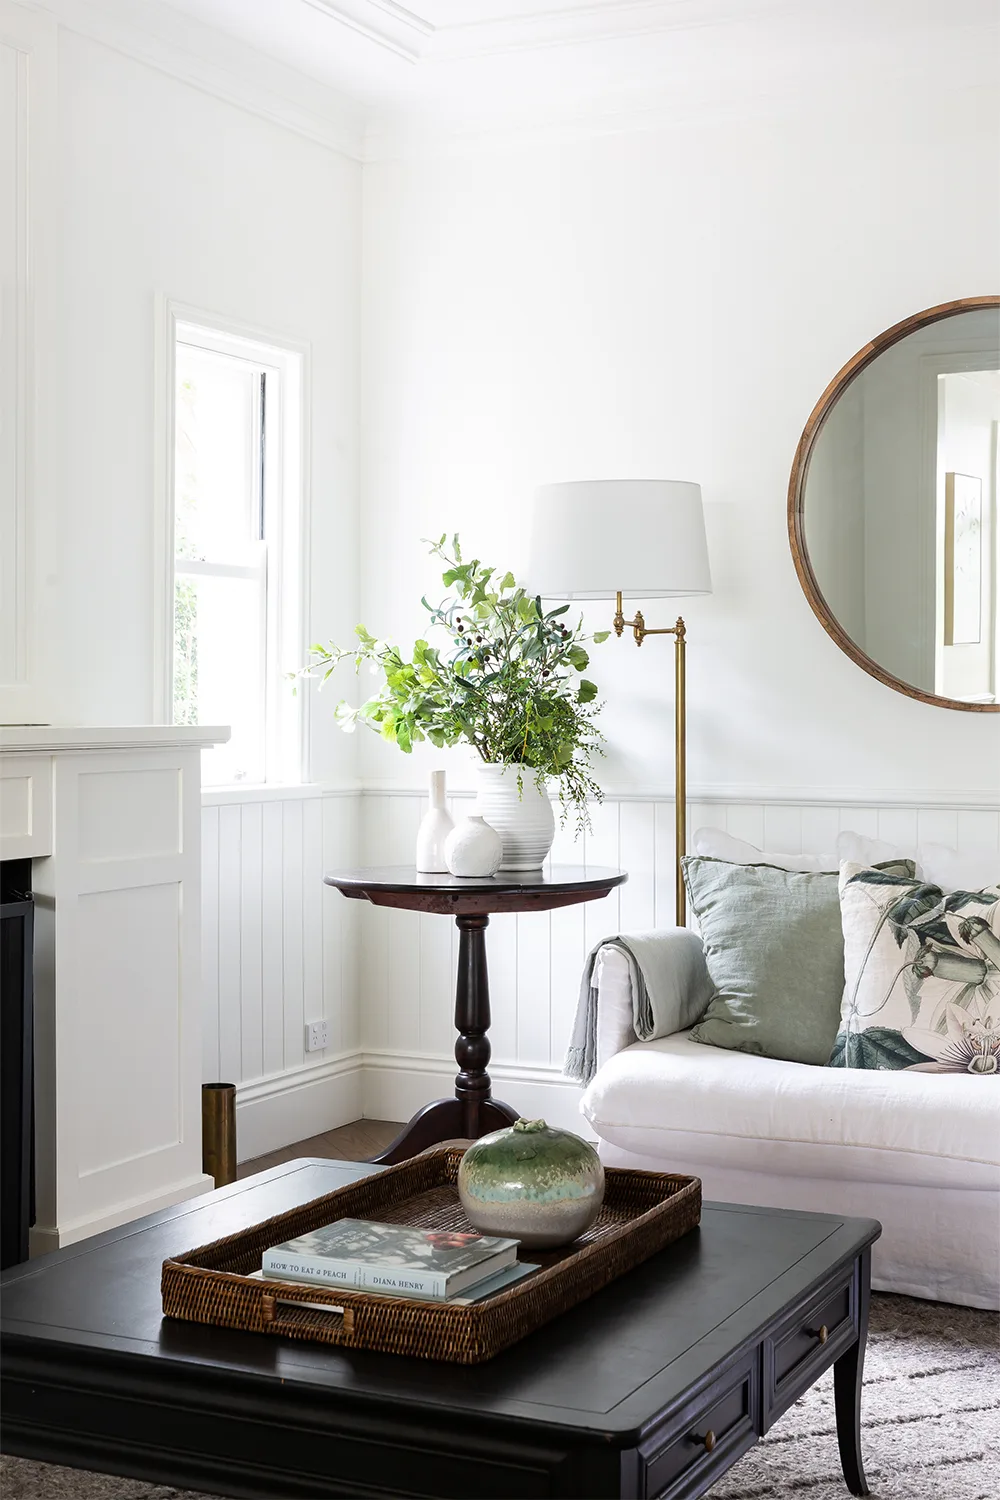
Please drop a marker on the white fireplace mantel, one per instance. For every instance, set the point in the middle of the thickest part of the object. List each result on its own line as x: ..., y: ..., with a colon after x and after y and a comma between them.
x: 110, y: 818
x: 41, y: 739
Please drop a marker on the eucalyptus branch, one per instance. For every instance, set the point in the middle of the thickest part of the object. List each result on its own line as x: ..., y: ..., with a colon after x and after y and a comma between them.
x: 511, y: 685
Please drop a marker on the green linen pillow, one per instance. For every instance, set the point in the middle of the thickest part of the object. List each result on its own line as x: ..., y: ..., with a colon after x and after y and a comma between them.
x: 775, y: 952
x: 923, y: 976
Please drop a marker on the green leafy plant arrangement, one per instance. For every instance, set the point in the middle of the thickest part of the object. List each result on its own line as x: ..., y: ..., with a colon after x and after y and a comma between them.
x: 510, y: 682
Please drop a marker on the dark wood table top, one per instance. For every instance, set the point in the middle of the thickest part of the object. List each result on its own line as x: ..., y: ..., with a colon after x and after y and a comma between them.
x: 608, y: 1366
x: 403, y: 886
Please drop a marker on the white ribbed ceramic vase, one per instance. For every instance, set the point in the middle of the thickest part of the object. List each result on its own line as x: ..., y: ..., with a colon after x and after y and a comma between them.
x: 522, y: 816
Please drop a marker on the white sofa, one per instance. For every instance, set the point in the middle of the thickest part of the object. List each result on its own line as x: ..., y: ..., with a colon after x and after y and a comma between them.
x: 919, y: 1152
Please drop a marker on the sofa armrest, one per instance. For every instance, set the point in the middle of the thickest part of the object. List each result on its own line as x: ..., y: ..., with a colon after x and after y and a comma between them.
x: 681, y: 998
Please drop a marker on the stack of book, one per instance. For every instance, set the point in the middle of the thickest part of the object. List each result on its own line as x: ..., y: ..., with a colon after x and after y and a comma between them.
x: 394, y: 1260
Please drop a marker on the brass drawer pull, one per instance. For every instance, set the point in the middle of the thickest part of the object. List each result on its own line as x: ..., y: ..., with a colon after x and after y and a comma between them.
x: 707, y: 1442
x: 822, y: 1333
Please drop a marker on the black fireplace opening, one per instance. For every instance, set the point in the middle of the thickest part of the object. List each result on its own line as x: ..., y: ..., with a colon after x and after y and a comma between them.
x: 17, y: 1187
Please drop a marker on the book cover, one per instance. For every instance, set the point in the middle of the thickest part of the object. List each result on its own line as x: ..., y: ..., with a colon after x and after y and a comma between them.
x: 508, y: 1276
x: 392, y: 1258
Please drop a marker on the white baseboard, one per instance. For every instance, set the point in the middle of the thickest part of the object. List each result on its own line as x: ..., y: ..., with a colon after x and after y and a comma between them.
x: 395, y: 1085
x: 287, y: 1107
x: 43, y: 1238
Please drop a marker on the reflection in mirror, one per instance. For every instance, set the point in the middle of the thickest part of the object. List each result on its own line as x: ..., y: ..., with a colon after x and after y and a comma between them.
x: 898, y: 509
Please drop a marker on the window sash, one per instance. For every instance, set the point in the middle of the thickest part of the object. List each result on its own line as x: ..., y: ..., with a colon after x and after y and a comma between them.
x: 279, y: 564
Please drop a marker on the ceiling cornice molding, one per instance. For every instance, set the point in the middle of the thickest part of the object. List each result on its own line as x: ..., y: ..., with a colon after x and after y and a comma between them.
x: 416, y: 39
x: 382, y: 22
x: 217, y: 64
x: 603, y: 20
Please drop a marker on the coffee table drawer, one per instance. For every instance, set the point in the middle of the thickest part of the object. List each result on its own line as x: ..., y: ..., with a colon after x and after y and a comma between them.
x: 810, y: 1340
x: 717, y: 1427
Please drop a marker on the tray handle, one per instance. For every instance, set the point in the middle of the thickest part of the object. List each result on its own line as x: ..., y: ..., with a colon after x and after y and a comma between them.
x: 291, y: 1315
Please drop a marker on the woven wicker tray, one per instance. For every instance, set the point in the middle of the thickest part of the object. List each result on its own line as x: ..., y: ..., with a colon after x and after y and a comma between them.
x: 642, y: 1212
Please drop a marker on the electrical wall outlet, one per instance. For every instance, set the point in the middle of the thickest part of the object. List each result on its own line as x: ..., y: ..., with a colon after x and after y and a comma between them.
x: 317, y: 1035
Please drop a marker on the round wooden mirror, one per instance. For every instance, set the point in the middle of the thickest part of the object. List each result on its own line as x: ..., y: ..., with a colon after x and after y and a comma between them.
x: 893, y: 506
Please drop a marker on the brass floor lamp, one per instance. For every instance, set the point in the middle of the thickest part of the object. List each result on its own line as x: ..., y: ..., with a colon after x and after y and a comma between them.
x: 628, y: 539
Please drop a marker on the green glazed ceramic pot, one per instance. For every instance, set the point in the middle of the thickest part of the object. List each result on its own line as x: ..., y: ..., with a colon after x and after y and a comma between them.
x: 540, y: 1186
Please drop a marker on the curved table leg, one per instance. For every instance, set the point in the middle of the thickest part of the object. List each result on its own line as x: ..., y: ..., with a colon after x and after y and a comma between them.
x: 441, y: 1121
x: 847, y: 1375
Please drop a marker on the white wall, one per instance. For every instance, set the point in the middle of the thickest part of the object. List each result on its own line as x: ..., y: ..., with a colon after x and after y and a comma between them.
x: 166, y: 189
x: 671, y: 304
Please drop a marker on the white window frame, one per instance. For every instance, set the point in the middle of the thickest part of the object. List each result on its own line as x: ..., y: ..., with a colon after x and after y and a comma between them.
x: 286, y: 727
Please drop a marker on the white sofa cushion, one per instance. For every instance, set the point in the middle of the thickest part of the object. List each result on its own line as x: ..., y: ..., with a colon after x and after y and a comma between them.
x: 675, y: 1097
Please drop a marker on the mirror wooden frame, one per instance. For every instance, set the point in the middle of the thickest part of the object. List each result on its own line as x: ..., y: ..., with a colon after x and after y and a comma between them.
x: 797, y: 489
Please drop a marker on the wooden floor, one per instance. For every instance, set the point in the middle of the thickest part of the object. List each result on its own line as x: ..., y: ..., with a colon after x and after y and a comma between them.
x: 348, y: 1143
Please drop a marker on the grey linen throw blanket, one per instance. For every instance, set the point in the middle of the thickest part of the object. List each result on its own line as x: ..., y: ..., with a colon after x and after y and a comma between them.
x: 668, y: 993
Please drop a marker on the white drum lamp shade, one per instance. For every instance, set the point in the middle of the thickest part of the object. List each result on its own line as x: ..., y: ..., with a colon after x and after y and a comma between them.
x: 595, y: 537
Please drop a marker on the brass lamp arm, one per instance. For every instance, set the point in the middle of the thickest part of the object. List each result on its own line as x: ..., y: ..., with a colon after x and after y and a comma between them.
x: 640, y: 630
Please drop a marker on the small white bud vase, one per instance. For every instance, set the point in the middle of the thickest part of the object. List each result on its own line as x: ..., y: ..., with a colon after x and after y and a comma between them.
x: 473, y: 848
x: 435, y: 826
x: 522, y: 815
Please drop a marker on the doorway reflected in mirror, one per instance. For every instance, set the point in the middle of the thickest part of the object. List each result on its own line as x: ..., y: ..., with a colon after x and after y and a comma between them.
x: 893, y: 506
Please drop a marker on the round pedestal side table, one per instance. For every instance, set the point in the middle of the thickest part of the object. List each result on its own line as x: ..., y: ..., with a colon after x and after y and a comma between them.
x: 473, y: 1111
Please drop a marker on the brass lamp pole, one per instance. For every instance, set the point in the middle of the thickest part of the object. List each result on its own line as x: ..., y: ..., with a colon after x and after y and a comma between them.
x: 640, y: 630
x: 628, y: 539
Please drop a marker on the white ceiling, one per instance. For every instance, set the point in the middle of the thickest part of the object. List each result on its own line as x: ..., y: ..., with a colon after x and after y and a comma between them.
x: 398, y: 76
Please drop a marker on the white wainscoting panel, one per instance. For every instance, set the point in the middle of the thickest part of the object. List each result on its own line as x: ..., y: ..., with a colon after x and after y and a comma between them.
x: 535, y: 960
x: 279, y: 949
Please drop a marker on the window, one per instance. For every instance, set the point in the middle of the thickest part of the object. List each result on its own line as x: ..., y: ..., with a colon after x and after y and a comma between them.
x: 236, y: 550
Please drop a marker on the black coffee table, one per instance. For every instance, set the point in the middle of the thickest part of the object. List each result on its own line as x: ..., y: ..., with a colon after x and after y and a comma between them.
x: 653, y: 1388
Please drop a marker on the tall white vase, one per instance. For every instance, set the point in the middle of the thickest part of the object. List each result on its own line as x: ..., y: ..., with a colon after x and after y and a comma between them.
x: 434, y: 829
x: 522, y: 816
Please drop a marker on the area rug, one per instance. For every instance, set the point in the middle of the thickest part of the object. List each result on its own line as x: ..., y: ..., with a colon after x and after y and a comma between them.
x: 931, y: 1415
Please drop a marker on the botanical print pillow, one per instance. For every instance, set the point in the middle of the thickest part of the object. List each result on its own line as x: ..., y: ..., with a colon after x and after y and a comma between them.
x: 923, y: 975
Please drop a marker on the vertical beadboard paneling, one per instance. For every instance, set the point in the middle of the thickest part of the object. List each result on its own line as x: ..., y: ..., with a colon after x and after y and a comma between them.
x: 938, y: 825
x: 820, y: 826
x: 313, y: 891
x: 278, y: 947
x: 338, y: 852
x: 898, y: 826
x: 745, y: 820
x: 293, y: 980
x: 210, y: 946
x: 603, y: 848
x: 272, y: 938
x: 501, y: 954
x: 567, y: 936
x: 637, y: 855
x: 230, y: 889
x: 437, y: 984
x: 376, y: 845
x: 534, y: 987
x: 251, y: 999
x: 403, y: 935
x: 783, y: 829
x: 345, y: 851
x: 859, y: 820
x: 665, y: 874
x: 978, y: 831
